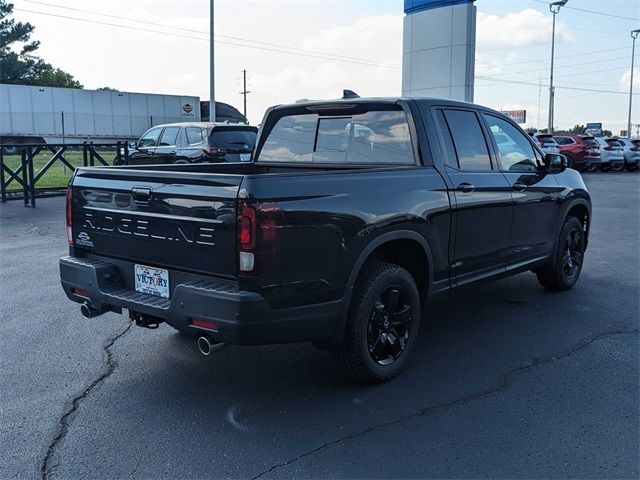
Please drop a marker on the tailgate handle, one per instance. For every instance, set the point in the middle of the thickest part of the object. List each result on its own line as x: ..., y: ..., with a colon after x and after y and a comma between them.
x: 141, y: 195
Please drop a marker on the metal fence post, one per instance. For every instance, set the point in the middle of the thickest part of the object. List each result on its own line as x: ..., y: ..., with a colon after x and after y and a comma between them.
x: 25, y: 189
x: 84, y: 155
x: 32, y: 182
x: 126, y: 153
x: 3, y: 187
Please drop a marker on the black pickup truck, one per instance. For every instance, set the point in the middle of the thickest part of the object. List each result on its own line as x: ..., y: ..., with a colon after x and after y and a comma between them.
x: 351, y: 215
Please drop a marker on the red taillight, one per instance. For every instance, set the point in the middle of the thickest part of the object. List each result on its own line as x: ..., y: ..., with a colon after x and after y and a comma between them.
x: 80, y: 293
x: 70, y: 215
x: 247, y: 227
x: 257, y: 227
x: 215, y: 151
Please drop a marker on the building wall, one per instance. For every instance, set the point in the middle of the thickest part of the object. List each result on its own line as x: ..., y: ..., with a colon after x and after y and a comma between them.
x: 439, y: 40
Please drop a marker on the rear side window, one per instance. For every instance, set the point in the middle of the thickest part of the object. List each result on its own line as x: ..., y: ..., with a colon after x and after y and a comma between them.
x: 169, y: 136
x: 195, y: 135
x: 590, y: 142
x: 238, y: 140
x: 378, y: 136
x: 468, y: 140
x: 564, y: 140
x: 614, y: 143
x: 546, y: 141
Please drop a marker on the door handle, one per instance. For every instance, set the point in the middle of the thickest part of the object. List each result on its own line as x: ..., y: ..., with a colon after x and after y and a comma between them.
x: 518, y: 187
x: 141, y: 195
x: 465, y: 188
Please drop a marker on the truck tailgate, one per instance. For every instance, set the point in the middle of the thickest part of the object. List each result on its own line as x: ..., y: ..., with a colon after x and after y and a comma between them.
x: 181, y: 220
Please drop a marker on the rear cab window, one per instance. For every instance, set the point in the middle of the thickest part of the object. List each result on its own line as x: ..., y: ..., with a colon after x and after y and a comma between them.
x: 356, y: 134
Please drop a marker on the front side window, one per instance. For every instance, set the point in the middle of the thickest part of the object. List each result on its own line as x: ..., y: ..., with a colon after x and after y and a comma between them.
x: 470, y: 146
x: 380, y: 136
x: 150, y: 139
x: 514, y: 149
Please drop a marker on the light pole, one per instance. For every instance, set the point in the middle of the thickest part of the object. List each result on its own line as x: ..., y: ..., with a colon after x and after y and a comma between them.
x: 634, y: 35
x: 212, y: 67
x: 555, y: 8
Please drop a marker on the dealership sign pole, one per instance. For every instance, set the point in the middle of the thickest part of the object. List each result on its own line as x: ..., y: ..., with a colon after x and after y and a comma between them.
x: 634, y: 35
x: 212, y: 68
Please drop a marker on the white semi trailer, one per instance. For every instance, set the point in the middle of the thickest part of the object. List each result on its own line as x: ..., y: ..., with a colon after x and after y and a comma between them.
x: 31, y: 114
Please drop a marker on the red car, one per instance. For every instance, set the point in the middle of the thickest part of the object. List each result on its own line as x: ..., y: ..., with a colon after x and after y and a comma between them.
x: 583, y: 152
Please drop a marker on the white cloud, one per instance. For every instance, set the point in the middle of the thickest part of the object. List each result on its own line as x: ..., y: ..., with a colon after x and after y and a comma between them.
x: 517, y: 30
x: 625, y: 80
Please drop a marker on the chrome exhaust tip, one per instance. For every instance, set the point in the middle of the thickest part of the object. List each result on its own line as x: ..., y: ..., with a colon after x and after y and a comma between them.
x: 207, y: 346
x: 90, y: 312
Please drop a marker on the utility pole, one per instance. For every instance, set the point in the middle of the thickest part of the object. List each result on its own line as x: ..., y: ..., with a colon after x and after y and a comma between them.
x: 634, y: 35
x: 244, y: 91
x: 539, y: 101
x: 212, y: 66
x: 555, y: 8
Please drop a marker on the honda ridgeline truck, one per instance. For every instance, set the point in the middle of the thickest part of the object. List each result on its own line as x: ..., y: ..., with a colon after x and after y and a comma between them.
x: 350, y: 216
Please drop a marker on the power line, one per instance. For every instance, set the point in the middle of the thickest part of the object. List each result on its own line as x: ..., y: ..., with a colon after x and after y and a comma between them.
x: 592, y: 11
x: 312, y: 53
x: 499, y: 80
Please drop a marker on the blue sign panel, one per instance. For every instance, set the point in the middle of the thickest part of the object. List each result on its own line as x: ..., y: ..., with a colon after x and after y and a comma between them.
x: 413, y: 6
x: 594, y: 126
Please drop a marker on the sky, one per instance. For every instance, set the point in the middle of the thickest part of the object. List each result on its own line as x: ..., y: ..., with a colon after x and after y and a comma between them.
x: 295, y: 49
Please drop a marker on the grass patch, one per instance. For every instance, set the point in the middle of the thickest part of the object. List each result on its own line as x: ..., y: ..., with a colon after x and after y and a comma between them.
x: 58, y: 174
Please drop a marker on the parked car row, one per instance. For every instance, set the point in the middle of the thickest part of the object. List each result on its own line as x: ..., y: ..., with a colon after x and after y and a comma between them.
x: 586, y: 153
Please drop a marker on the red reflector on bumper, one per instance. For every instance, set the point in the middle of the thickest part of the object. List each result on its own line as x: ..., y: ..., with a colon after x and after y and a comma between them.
x: 204, y: 324
x: 80, y: 293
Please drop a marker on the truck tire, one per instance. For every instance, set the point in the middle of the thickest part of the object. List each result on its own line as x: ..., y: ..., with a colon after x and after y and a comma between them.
x: 563, y: 272
x: 382, y: 326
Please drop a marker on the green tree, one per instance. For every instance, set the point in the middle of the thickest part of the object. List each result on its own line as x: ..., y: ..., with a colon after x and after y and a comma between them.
x: 579, y: 129
x: 18, y: 62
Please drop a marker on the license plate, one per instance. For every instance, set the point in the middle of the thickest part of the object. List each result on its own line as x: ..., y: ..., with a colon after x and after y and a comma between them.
x: 245, y: 157
x: 152, y: 281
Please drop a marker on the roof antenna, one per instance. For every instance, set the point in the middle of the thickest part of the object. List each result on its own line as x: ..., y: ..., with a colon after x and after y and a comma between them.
x: 349, y: 94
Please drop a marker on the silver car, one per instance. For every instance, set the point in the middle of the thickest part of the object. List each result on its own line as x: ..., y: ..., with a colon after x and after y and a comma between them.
x: 611, y: 154
x: 547, y: 143
x: 631, y: 153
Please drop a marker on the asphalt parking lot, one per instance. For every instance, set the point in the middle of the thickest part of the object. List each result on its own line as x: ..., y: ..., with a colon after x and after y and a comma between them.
x: 507, y: 380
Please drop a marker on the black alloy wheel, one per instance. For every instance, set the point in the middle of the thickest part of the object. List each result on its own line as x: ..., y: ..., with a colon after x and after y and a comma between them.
x: 573, y: 254
x: 389, y: 325
x: 563, y: 271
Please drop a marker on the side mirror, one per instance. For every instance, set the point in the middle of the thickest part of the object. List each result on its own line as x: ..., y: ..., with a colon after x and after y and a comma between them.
x: 133, y: 145
x: 555, y: 163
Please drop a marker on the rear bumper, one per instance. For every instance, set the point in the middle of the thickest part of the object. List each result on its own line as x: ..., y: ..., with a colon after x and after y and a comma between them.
x: 242, y: 317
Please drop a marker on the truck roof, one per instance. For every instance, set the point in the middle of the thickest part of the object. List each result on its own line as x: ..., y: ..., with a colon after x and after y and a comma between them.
x: 386, y: 100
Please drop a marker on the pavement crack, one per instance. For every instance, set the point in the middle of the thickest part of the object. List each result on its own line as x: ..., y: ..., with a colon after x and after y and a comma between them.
x: 71, y: 406
x: 503, y: 382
